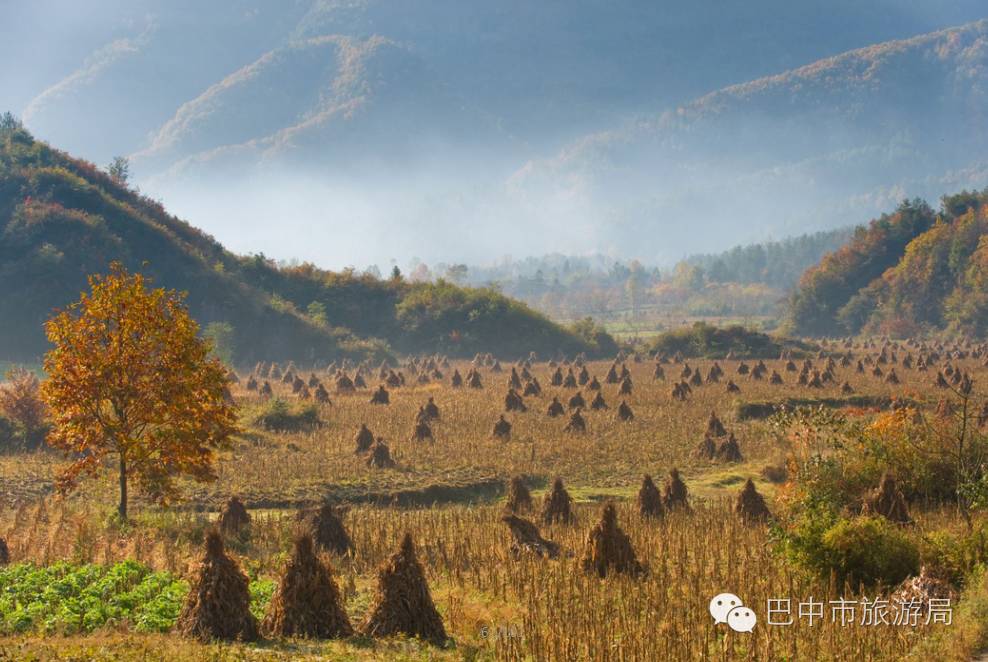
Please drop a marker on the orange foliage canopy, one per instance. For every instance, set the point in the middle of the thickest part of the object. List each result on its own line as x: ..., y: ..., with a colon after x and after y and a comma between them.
x: 20, y: 402
x: 129, y: 376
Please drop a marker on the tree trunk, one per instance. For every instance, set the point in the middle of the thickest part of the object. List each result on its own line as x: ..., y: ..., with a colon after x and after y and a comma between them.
x: 122, y: 508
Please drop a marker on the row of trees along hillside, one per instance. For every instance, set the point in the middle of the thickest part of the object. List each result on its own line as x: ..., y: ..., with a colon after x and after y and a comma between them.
x: 912, y: 271
x: 775, y: 263
x: 745, y: 280
x: 63, y: 219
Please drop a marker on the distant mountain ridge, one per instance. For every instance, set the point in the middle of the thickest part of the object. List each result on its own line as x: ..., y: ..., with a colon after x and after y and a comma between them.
x: 802, y: 149
x: 553, y: 68
x: 452, y: 130
x: 323, y: 93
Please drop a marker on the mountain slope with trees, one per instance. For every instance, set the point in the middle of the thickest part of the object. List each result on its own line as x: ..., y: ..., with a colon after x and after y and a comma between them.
x: 912, y: 271
x: 544, y: 71
x: 62, y: 219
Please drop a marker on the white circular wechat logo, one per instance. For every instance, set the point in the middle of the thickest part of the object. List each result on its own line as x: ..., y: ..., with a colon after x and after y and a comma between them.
x: 728, y: 608
x: 722, y: 604
x: 741, y: 619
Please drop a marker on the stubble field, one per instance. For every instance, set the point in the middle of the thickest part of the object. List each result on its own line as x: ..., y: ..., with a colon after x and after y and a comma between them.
x: 448, y: 493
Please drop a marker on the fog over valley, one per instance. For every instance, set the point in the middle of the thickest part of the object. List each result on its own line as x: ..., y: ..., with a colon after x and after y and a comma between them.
x: 358, y: 133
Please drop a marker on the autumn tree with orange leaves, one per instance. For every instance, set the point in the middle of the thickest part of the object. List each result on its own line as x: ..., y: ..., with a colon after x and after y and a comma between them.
x: 20, y: 402
x: 130, y: 380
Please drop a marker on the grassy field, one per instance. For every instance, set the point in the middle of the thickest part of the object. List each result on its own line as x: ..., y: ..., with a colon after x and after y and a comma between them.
x: 447, y: 493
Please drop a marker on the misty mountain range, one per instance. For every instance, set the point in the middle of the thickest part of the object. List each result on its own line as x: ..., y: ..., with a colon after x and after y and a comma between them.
x: 354, y: 131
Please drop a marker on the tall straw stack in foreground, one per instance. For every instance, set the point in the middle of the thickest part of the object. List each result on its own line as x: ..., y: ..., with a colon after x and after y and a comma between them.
x: 519, y: 498
x: 234, y: 517
x: 609, y: 549
x: 306, y: 602
x: 557, y: 506
x: 649, y: 499
x: 403, y: 604
x: 218, y: 603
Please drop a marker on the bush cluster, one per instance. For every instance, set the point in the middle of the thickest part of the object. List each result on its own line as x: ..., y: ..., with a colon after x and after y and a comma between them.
x: 278, y: 415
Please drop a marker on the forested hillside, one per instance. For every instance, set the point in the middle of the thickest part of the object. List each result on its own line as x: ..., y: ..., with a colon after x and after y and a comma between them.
x: 62, y: 219
x: 912, y: 271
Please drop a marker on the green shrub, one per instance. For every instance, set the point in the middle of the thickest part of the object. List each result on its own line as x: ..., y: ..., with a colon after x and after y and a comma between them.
x: 596, y: 336
x: 708, y: 341
x: 278, y: 416
x: 374, y: 349
x: 945, y: 555
x: 869, y: 550
x: 14, y: 437
x: 864, y: 550
x: 802, y: 541
x: 221, y: 335
x: 460, y: 321
x: 956, y: 558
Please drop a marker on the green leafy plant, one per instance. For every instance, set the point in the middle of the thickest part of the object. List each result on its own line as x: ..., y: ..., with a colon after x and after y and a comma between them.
x: 65, y: 598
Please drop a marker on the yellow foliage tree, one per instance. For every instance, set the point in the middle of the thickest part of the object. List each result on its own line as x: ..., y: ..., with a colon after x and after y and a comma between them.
x: 129, y: 377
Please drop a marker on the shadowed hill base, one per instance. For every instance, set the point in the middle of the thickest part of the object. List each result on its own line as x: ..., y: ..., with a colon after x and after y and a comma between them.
x: 746, y: 411
x: 62, y: 219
